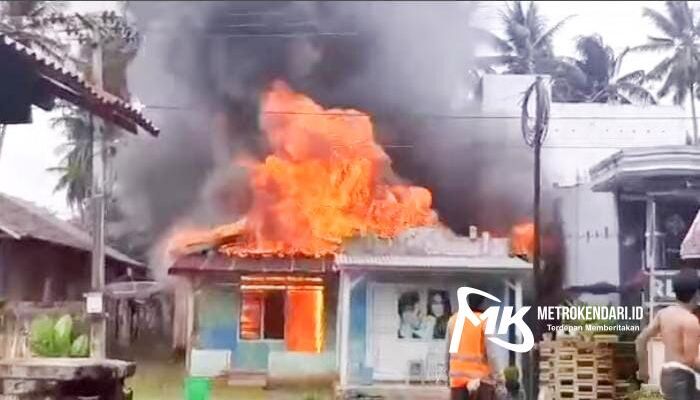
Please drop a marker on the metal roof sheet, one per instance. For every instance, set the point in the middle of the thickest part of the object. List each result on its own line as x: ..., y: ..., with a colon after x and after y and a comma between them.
x: 73, y: 87
x: 217, y: 262
x: 21, y: 219
x: 344, y: 261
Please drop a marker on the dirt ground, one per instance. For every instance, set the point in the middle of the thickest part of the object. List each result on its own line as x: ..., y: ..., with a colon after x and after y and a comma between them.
x: 165, y: 380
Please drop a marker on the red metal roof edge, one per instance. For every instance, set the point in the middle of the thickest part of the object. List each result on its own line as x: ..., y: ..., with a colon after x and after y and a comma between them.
x: 76, y: 82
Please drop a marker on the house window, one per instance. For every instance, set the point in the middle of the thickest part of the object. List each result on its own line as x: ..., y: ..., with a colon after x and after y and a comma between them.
x: 262, y: 315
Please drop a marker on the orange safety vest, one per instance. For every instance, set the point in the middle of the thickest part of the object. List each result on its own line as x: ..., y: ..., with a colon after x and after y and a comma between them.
x: 470, y: 361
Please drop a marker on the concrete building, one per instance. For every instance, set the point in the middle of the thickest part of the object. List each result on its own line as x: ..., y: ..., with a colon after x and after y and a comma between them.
x: 580, y: 136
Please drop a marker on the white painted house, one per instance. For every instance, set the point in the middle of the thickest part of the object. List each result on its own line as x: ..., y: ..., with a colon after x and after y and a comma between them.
x: 581, y: 136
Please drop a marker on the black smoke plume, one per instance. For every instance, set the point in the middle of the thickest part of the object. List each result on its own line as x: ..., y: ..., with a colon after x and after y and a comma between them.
x: 202, y: 68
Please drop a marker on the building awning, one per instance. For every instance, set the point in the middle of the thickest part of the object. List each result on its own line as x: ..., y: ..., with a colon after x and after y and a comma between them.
x: 215, y: 262
x: 653, y: 169
x: 690, y: 248
x: 433, y: 263
x: 59, y: 81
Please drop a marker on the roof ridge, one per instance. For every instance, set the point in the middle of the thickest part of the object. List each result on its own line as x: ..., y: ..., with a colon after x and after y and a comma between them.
x: 79, y: 234
x: 75, y: 81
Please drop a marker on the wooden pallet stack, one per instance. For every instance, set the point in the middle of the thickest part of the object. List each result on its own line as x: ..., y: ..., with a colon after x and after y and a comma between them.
x: 571, y: 368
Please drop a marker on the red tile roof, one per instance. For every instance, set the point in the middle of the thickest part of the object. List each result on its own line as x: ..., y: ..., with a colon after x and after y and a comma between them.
x: 73, y: 87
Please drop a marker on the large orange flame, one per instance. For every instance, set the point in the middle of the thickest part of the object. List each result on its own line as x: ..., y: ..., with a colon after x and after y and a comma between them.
x: 323, y: 183
x: 522, y: 240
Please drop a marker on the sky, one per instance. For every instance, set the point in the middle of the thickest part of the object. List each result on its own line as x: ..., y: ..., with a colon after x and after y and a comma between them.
x: 28, y: 150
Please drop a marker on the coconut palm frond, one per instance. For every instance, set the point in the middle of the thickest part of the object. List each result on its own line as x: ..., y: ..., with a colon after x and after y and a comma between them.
x: 661, y: 69
x: 680, y: 13
x: 652, y: 47
x: 547, y: 36
x: 635, y: 77
x: 661, y: 22
x: 491, y: 39
x: 636, y: 93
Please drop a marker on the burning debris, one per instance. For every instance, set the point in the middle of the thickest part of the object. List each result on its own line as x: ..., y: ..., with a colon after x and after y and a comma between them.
x: 327, y: 180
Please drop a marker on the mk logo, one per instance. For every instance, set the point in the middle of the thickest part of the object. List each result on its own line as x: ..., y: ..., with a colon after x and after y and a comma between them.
x: 491, y: 316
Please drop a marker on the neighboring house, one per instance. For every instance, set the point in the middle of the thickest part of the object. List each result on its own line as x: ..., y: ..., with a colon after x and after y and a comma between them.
x: 44, y: 258
x: 395, y: 300
x: 291, y: 319
x: 591, y: 236
x: 580, y: 135
x: 657, y: 196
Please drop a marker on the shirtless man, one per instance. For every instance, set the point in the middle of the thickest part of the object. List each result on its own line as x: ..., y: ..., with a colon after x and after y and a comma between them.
x: 680, y: 333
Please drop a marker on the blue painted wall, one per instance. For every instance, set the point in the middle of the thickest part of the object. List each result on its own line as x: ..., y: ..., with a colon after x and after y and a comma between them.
x: 217, y: 322
x: 217, y: 311
x: 358, y: 331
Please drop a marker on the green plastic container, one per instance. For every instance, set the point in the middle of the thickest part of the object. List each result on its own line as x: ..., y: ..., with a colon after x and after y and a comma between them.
x: 197, y: 389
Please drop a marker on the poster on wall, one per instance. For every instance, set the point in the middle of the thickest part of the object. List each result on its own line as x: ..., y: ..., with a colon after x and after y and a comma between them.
x: 423, y: 314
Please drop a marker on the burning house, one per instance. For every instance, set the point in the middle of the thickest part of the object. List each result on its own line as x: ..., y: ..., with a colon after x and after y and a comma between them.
x: 307, y: 284
x: 325, y: 182
x: 267, y: 209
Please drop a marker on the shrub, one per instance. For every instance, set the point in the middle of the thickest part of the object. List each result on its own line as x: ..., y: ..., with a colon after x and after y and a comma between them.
x: 59, y: 338
x: 645, y: 394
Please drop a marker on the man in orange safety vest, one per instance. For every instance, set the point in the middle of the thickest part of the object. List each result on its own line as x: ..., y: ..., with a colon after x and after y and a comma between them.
x: 469, y: 367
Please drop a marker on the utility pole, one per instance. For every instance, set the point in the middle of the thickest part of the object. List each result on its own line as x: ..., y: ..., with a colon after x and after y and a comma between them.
x: 534, y: 137
x: 98, y: 327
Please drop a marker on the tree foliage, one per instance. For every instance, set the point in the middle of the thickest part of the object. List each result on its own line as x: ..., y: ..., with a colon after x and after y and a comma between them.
x: 679, y: 41
x: 595, y: 76
x: 527, y: 45
x: 27, y: 23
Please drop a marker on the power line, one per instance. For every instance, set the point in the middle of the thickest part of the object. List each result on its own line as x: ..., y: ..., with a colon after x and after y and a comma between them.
x: 216, y: 35
x: 434, y: 116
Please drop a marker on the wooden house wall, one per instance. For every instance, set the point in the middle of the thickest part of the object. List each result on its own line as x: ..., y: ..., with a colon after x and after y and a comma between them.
x: 25, y: 266
x: 217, y: 319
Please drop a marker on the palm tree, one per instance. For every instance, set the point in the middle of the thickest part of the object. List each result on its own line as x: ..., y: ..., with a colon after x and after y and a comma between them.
x: 28, y: 22
x: 76, y: 165
x: 527, y: 48
x: 679, y: 40
x: 595, y: 76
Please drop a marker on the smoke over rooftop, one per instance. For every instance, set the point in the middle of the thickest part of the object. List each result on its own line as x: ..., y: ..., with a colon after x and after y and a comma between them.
x: 203, y: 66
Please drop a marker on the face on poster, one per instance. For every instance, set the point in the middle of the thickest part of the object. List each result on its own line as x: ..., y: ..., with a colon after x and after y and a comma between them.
x: 423, y: 314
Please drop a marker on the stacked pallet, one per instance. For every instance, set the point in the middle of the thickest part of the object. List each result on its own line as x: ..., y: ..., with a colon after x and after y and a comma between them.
x: 574, y: 369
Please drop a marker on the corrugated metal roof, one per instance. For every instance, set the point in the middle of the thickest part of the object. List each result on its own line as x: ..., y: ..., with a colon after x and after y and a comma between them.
x: 431, y: 261
x: 21, y: 219
x: 73, y: 87
x: 217, y: 262
x: 423, y: 248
